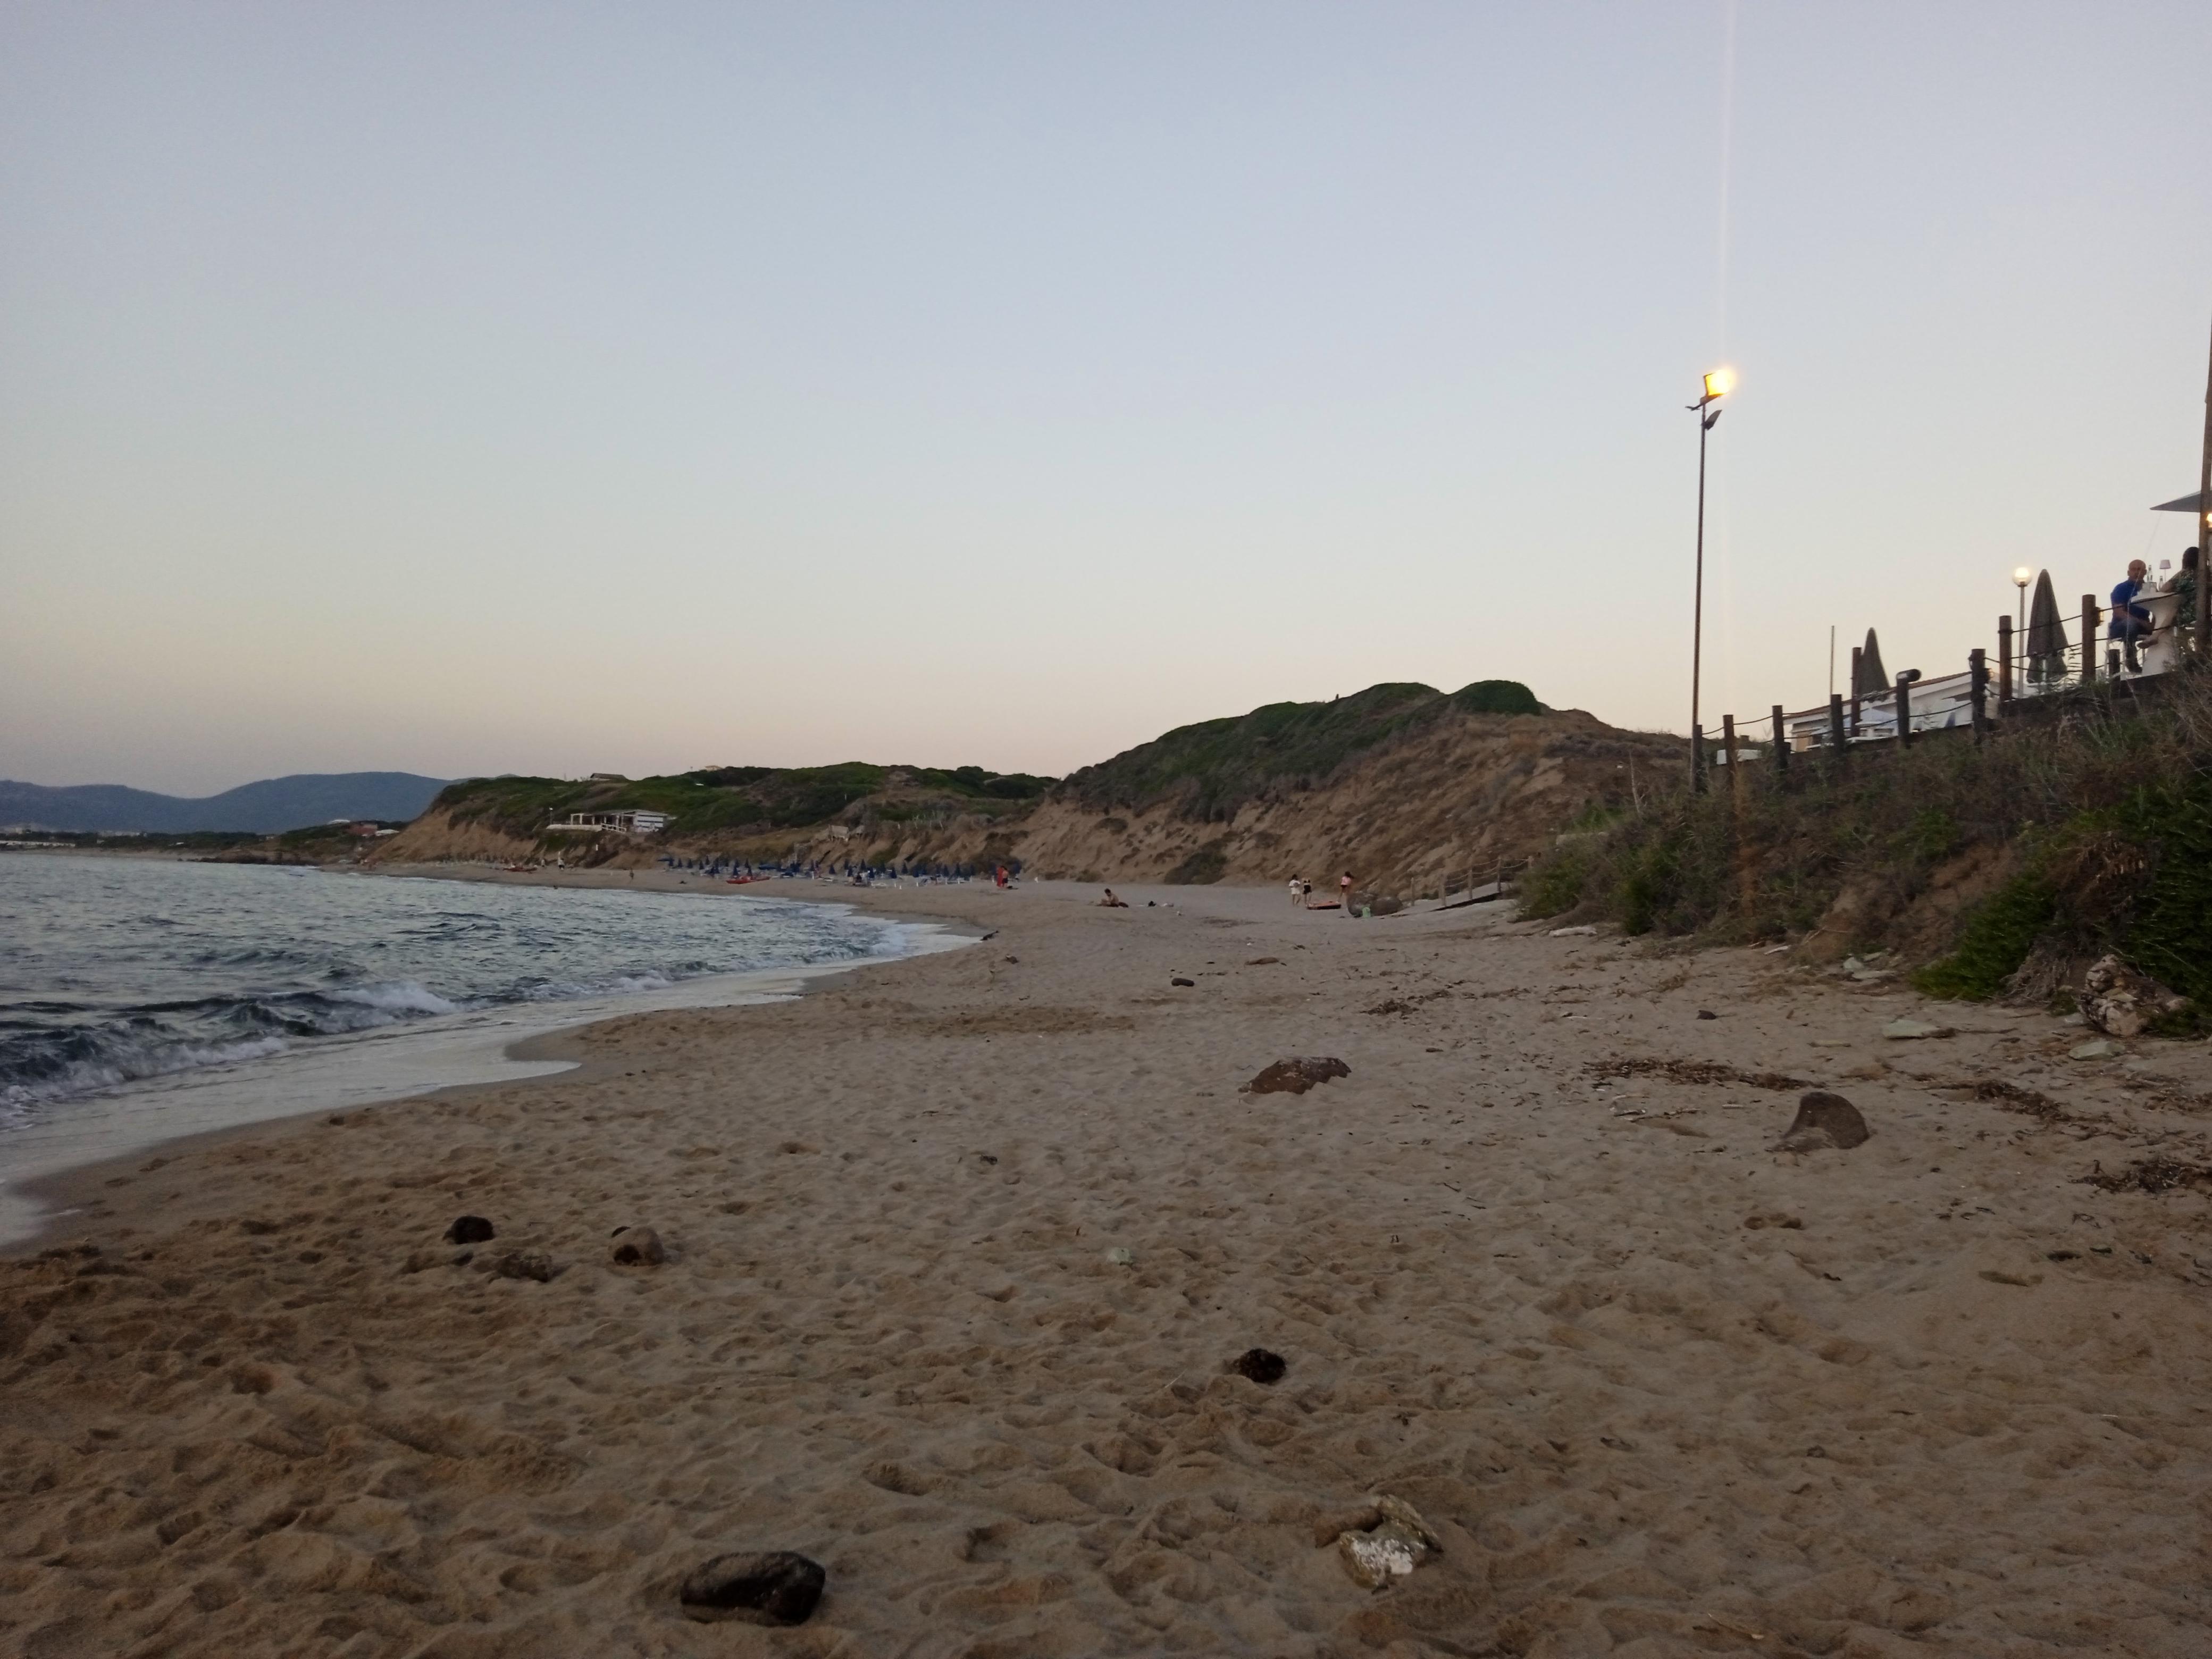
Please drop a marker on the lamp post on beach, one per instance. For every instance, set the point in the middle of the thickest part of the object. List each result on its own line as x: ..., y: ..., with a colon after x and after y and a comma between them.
x: 1717, y: 384
x: 2020, y: 577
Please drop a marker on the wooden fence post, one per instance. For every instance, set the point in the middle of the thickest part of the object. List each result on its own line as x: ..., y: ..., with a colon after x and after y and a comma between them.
x: 1904, y: 711
x: 2089, y: 639
x: 1735, y: 760
x: 2004, y: 660
x: 1977, y: 681
x: 1781, y: 750
x: 1837, y: 743
x: 1857, y: 651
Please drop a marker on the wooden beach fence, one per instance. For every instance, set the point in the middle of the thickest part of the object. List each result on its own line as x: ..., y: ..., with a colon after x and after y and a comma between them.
x: 1902, y: 708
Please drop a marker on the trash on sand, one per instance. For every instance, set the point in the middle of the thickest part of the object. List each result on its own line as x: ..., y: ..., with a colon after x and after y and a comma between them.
x: 1398, y: 1542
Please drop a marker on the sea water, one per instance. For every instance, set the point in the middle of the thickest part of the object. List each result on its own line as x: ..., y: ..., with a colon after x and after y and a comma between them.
x: 142, y: 999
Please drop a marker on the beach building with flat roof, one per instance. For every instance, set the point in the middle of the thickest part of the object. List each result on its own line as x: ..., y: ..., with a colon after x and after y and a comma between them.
x: 621, y: 823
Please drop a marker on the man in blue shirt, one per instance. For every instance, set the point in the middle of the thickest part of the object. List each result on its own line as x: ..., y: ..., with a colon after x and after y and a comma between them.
x: 2130, y: 622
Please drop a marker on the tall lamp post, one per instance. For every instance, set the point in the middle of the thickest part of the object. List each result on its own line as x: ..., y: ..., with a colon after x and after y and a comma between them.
x: 2020, y: 577
x: 1717, y: 385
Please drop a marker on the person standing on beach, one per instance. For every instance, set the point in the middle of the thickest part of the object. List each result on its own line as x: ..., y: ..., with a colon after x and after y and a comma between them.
x: 1297, y: 893
x: 1344, y: 891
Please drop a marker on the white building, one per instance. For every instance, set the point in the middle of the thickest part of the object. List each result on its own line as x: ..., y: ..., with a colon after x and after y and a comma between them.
x: 621, y: 823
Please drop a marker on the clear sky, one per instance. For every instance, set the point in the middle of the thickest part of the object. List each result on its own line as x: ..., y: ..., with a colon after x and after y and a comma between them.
x: 463, y: 388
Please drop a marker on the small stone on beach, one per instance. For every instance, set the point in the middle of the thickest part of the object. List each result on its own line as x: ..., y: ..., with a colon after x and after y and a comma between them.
x: 1823, y: 1121
x: 637, y: 1247
x: 469, y: 1230
x: 1913, y: 1030
x: 1295, y: 1077
x: 1179, y: 980
x: 777, y: 1588
x: 1260, y: 1365
x: 523, y: 1264
x: 1388, y: 1549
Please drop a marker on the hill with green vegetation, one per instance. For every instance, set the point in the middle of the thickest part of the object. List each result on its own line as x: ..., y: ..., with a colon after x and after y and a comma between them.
x: 1206, y: 772
x: 1406, y: 787
x: 2083, y: 827
x: 1408, y: 784
x: 739, y: 811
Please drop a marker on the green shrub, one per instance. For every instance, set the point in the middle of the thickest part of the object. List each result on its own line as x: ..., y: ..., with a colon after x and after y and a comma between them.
x: 1648, y: 889
x: 1999, y: 934
x: 1497, y: 698
x: 2132, y: 875
x: 1554, y: 885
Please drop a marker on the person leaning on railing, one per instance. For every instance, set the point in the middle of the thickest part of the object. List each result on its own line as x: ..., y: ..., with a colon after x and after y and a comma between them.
x: 2130, y: 622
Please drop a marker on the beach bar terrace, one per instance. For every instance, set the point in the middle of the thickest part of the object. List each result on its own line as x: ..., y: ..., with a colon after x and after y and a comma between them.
x: 2049, y: 654
x: 621, y: 823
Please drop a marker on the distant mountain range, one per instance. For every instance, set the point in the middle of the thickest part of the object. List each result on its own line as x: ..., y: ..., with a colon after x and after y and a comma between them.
x: 272, y: 804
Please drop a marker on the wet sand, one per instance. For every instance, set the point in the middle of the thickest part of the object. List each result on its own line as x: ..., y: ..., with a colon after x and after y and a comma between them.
x: 255, y: 1405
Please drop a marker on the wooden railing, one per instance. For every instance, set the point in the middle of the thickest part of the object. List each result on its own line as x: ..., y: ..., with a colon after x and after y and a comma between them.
x: 1975, y: 697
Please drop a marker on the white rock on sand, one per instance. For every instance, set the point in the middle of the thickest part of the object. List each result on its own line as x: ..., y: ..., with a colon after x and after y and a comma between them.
x: 1943, y: 1399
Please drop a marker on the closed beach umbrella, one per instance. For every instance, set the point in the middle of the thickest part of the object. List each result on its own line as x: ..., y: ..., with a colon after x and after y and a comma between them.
x: 1872, y: 677
x: 2046, y: 633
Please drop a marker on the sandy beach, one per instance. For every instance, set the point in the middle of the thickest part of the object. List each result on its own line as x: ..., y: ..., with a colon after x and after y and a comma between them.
x: 959, y: 1248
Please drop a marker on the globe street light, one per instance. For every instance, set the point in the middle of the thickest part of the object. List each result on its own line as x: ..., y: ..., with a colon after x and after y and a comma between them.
x: 2020, y: 577
x: 1717, y: 384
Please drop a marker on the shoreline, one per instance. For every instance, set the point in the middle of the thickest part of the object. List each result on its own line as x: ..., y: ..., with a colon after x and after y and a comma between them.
x: 46, y: 1193
x: 960, y: 1251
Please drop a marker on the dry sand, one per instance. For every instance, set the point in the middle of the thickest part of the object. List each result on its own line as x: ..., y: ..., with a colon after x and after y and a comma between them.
x: 1960, y: 1409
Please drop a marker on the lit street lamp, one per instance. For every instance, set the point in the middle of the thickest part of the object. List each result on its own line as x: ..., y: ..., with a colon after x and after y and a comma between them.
x: 1718, y: 385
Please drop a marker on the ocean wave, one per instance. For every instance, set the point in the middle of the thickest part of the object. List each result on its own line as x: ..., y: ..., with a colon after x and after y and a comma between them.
x: 109, y: 1060
x: 52, y: 1063
x: 139, y: 973
x: 400, y: 997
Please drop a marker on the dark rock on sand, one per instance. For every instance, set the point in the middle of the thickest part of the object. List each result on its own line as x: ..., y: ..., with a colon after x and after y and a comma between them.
x: 469, y: 1230
x: 1295, y: 1077
x: 1260, y: 1365
x: 637, y: 1247
x: 1179, y: 980
x: 1824, y: 1120
x: 778, y: 1588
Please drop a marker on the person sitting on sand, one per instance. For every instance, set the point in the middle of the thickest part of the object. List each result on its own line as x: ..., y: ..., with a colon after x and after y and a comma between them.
x: 1110, y: 902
